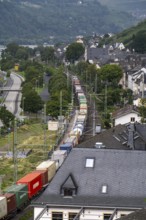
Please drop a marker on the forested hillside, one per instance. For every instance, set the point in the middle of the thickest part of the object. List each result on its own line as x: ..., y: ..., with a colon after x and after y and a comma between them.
x: 125, y: 4
x: 135, y: 7
x: 39, y: 20
x: 134, y: 38
x: 129, y: 34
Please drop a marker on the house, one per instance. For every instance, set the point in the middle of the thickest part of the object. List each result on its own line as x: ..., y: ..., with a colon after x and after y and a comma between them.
x: 128, y: 114
x: 137, y: 215
x: 139, y: 81
x: 107, y: 54
x: 120, y: 46
x: 95, y: 184
x: 126, y: 137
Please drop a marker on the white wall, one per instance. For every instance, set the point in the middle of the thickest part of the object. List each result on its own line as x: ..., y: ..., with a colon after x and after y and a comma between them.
x: 127, y: 118
x: 130, y: 82
x: 89, y: 214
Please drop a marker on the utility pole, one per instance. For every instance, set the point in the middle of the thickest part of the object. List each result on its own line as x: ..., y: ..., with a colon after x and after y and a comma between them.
x: 61, y: 103
x: 60, y: 118
x: 95, y: 83
x: 72, y: 93
x: 45, y: 140
x: 94, y: 118
x: 67, y: 74
x: 15, y: 151
x: 142, y: 85
x: 105, y: 103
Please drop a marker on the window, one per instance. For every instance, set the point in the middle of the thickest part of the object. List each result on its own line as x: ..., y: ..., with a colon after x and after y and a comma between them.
x: 89, y: 162
x: 104, y: 189
x: 132, y: 119
x: 69, y: 187
x: 57, y: 216
x: 68, y: 192
x: 106, y: 216
x: 72, y: 215
x: 122, y: 215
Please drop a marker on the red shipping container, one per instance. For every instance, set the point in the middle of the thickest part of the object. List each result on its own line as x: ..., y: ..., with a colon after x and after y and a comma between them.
x: 44, y: 174
x: 11, y: 202
x: 34, y: 183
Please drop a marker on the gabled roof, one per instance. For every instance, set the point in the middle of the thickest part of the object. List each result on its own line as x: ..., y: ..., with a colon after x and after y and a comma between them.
x: 138, y: 215
x: 122, y: 171
x: 124, y: 111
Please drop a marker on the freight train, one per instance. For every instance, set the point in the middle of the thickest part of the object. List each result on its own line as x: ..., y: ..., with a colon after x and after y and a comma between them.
x: 18, y: 196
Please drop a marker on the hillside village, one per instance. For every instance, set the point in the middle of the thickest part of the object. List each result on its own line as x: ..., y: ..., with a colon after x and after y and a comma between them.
x: 103, y: 177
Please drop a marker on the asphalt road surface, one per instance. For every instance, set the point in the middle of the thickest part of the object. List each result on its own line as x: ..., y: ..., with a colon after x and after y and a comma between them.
x: 13, y: 98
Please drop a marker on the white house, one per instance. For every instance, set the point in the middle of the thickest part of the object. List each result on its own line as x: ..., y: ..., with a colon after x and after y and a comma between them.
x: 136, y: 81
x: 95, y: 184
x: 128, y: 114
x: 120, y: 46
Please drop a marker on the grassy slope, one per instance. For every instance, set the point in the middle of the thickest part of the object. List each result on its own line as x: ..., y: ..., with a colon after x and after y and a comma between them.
x: 27, y: 138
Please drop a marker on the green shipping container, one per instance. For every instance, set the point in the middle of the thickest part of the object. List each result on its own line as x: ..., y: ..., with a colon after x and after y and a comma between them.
x: 83, y: 101
x: 82, y: 97
x: 21, y: 192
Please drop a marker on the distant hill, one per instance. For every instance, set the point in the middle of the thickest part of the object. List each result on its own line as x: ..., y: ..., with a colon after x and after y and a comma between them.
x: 42, y: 20
x: 135, y: 7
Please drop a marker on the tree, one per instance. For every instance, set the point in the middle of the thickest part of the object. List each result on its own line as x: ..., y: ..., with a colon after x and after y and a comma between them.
x: 74, y: 52
x: 27, y: 87
x: 31, y: 73
x: 47, y: 54
x: 81, y: 68
x: 34, y: 73
x: 7, y: 62
x: 53, y: 106
x: 50, y: 71
x: 22, y: 53
x: 12, y: 49
x: 6, y: 116
x: 139, y: 42
x: 32, y: 102
x: 111, y: 74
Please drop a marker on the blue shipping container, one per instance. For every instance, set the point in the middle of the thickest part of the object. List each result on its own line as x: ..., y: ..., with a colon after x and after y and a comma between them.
x: 66, y: 146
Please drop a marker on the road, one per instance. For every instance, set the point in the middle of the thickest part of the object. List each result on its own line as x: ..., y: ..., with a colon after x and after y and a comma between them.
x: 44, y: 94
x: 13, y: 98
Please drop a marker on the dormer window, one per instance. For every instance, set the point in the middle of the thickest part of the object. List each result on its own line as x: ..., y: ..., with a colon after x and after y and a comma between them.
x: 68, y: 192
x: 69, y: 187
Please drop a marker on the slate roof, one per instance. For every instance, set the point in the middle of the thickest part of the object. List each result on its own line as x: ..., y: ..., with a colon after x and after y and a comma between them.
x: 124, y: 111
x: 138, y: 215
x: 106, y: 137
x: 141, y: 130
x: 122, y: 171
x: 118, y: 137
x: 104, y: 55
x: 69, y: 183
